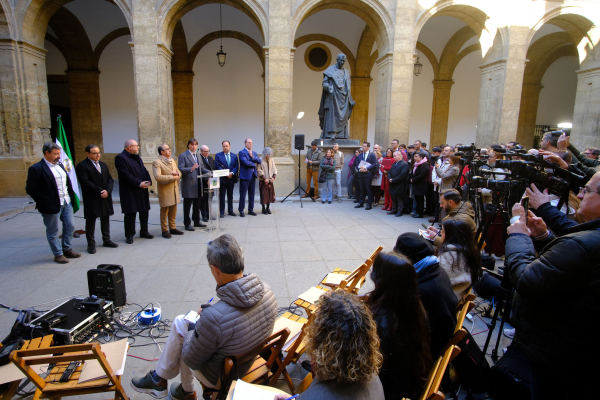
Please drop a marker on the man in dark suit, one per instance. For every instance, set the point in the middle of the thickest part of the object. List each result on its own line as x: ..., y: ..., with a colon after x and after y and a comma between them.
x: 49, y: 186
x: 227, y: 160
x: 134, y: 181
x: 398, y: 177
x: 190, y: 187
x: 365, y: 175
x: 248, y: 175
x: 207, y: 165
x: 96, y: 190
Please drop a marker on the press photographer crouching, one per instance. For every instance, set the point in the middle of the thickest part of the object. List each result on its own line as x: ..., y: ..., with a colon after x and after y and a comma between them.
x: 558, y: 293
x: 450, y: 201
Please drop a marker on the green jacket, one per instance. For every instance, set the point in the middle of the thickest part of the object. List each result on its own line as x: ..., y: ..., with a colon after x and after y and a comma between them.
x: 314, y: 156
x: 328, y: 170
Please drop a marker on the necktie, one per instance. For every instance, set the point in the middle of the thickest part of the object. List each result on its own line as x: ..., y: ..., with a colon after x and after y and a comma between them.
x: 227, y: 157
x: 195, y: 158
x: 97, y: 166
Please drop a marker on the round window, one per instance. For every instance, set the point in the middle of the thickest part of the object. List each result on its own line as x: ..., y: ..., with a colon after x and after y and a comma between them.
x: 317, y: 57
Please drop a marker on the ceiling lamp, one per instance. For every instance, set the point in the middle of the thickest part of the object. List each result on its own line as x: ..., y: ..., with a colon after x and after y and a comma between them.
x: 418, y: 67
x: 221, y: 54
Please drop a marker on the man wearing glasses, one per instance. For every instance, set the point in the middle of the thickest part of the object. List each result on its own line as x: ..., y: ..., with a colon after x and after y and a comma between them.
x: 134, y: 181
x: 558, y: 292
x: 96, y: 189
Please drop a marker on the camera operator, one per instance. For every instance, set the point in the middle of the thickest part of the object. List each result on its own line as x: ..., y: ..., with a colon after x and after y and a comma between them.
x: 450, y: 201
x: 558, y: 293
x: 585, y: 164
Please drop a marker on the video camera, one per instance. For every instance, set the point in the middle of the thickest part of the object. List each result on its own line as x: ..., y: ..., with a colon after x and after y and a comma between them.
x: 479, y: 182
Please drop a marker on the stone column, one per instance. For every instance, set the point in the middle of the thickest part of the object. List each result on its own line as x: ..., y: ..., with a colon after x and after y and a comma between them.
x: 278, y: 94
x: 26, y: 112
x: 86, y: 120
x: 359, y: 121
x: 500, y: 93
x: 586, y: 115
x: 183, y: 108
x: 440, y: 112
x: 528, y: 114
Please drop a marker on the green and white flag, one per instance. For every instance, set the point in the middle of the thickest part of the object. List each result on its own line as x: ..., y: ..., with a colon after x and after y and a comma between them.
x: 67, y: 161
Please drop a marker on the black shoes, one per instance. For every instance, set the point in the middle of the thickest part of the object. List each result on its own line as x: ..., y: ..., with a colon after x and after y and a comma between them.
x: 358, y: 205
x: 368, y: 207
x: 205, y: 219
x: 129, y: 240
x: 91, y: 249
x: 242, y: 214
x: 417, y: 216
x: 146, y: 235
x: 268, y: 211
x: 264, y: 211
x: 221, y: 215
x: 356, y: 201
x: 199, y: 225
x: 233, y: 214
x: 175, y: 232
x: 189, y: 228
x: 399, y: 214
x: 252, y: 213
x: 110, y: 243
x: 392, y: 212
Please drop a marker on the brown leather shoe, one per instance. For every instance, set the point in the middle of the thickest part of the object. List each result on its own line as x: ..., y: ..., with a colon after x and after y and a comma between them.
x: 304, y: 196
x: 175, y: 232
x: 71, y: 254
x: 166, y: 235
x: 316, y: 198
x: 61, y: 259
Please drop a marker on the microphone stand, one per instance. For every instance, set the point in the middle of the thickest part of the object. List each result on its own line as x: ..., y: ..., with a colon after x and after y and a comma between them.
x: 210, y: 218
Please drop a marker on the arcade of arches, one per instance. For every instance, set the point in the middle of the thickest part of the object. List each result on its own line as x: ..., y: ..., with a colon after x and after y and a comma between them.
x: 147, y: 69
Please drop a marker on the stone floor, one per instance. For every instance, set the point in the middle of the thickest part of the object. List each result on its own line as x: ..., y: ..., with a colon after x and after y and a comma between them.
x: 291, y: 250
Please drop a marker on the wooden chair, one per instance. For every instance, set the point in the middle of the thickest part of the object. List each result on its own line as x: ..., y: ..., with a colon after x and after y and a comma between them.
x: 51, y: 387
x: 37, y: 343
x: 260, y: 371
x: 432, y: 386
x: 459, y: 331
x: 469, y: 296
x: 304, y: 384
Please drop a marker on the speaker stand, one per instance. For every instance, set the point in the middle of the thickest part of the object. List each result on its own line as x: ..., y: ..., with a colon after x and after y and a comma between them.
x: 299, y: 187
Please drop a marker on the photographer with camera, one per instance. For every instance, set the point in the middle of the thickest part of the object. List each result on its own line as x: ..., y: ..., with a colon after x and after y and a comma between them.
x: 558, y: 292
x: 450, y: 201
x: 585, y: 164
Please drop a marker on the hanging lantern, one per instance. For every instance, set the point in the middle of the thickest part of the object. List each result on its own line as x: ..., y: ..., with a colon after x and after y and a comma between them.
x: 221, y: 56
x: 418, y: 67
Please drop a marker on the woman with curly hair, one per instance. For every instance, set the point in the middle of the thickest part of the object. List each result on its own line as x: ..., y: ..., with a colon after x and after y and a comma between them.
x: 402, y: 327
x: 344, y: 348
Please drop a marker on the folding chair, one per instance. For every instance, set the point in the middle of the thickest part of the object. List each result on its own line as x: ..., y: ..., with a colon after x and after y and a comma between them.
x: 259, y: 372
x: 459, y: 331
x: 469, y: 296
x: 51, y: 387
x: 431, y: 390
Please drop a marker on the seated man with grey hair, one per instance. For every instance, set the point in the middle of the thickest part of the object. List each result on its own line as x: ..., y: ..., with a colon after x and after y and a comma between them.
x: 240, y: 321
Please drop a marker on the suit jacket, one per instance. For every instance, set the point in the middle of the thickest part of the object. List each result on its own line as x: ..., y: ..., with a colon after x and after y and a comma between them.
x: 419, y: 179
x: 233, y: 167
x: 399, y: 176
x: 168, y: 186
x: 189, y: 178
x: 371, y: 159
x: 92, y: 183
x: 132, y: 173
x: 41, y: 186
x: 248, y: 164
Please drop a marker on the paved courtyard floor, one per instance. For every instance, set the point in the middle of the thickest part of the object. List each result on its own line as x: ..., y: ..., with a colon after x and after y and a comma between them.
x: 291, y: 250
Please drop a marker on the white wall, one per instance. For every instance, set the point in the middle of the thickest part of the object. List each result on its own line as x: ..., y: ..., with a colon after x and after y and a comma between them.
x: 55, y: 62
x: 98, y: 17
x: 464, y: 101
x: 557, y: 98
x: 341, y: 24
x: 117, y: 95
x: 307, y: 94
x: 422, y: 101
x: 228, y: 101
x: 372, y: 105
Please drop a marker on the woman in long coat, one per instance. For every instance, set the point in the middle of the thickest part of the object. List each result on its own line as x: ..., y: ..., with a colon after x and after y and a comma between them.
x: 398, y: 180
x: 418, y: 178
x: 266, y: 176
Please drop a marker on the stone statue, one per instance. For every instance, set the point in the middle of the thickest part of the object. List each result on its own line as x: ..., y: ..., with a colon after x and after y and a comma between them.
x: 336, y: 101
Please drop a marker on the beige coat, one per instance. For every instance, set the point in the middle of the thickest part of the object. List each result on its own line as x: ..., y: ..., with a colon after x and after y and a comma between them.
x: 267, y: 168
x: 168, y: 186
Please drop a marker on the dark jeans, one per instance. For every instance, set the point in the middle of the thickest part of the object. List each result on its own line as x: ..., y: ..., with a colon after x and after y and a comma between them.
x: 130, y: 223
x: 436, y: 205
x: 420, y: 202
x: 397, y: 203
x: 90, y: 229
x: 376, y: 193
x: 204, y: 209
x: 195, y: 205
x: 247, y: 186
x: 429, y: 199
x: 226, y: 189
x: 366, y: 190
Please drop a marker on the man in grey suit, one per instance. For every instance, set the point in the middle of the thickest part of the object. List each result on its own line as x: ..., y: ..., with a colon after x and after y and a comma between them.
x: 190, y: 187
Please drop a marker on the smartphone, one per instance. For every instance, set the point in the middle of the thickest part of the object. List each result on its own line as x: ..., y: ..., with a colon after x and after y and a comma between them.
x: 424, y: 226
x: 192, y: 317
x: 525, y: 204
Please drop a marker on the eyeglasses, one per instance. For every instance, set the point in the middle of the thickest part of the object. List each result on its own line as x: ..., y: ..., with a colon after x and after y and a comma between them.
x: 585, y: 191
x: 588, y: 153
x: 96, y: 154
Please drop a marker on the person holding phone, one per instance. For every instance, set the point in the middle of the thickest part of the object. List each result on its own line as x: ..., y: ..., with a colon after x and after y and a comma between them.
x: 134, y: 181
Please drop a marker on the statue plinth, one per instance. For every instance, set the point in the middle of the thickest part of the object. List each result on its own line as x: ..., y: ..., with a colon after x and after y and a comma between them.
x: 343, y: 143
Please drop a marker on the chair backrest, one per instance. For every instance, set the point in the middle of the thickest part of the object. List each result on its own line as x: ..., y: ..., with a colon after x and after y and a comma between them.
x: 469, y: 296
x: 431, y: 391
x: 350, y: 283
x: 459, y: 331
x: 273, y: 343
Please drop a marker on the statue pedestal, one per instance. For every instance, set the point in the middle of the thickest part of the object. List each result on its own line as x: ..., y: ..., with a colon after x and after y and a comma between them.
x: 347, y: 146
x: 344, y: 143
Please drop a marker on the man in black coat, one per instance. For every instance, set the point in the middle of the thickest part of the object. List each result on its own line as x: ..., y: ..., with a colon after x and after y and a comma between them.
x: 365, y: 176
x: 96, y: 190
x: 435, y: 288
x: 398, y: 176
x: 557, y: 304
x: 134, y: 181
x: 49, y: 185
x: 207, y: 165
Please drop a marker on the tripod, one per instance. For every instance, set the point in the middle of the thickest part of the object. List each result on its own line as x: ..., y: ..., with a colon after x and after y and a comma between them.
x: 503, y: 298
x: 299, y: 187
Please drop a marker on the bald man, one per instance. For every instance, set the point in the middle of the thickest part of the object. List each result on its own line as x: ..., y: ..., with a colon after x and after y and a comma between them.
x: 134, y: 181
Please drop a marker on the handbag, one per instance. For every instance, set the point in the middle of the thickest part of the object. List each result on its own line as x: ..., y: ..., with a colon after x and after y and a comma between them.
x: 322, y: 176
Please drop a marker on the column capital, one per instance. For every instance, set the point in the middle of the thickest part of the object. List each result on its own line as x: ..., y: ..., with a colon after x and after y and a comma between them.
x: 165, y: 52
x: 443, y: 84
x: 32, y: 49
